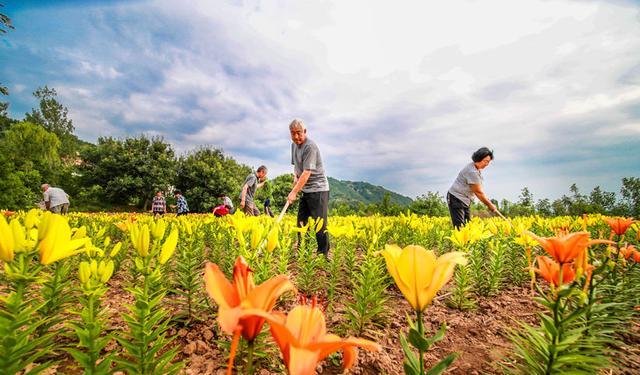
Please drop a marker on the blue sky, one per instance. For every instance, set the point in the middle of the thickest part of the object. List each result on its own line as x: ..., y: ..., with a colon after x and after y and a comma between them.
x: 397, y: 93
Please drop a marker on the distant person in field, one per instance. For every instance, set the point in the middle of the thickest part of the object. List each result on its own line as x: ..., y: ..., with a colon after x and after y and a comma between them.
x: 267, y: 207
x: 467, y: 186
x: 55, y: 199
x: 249, y: 187
x: 267, y: 202
x: 226, y: 201
x: 309, y: 177
x: 159, y: 204
x: 181, y: 203
x: 220, y: 211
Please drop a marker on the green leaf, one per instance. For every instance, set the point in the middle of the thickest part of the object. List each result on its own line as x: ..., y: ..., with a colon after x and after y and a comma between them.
x: 443, y: 365
x: 418, y: 341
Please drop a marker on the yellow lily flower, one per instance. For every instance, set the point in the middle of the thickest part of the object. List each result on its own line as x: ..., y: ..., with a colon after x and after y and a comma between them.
x: 419, y: 273
x: 158, y: 228
x: 169, y: 246
x: 272, y: 238
x: 6, y: 241
x: 57, y: 242
x: 140, y: 239
x: 32, y: 218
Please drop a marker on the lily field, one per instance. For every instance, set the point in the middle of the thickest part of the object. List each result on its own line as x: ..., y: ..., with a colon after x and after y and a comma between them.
x: 196, y: 294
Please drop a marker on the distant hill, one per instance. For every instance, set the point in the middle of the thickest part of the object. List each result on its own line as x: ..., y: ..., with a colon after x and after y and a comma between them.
x: 353, y: 192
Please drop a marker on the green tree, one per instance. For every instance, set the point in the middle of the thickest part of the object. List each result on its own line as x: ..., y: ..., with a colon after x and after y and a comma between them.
x: 5, y: 25
x: 205, y: 174
x: 544, y: 208
x: 128, y: 171
x: 53, y: 116
x: 281, y: 186
x: 524, y: 206
x: 602, y: 202
x: 28, y: 157
x: 630, y: 191
x: 430, y: 204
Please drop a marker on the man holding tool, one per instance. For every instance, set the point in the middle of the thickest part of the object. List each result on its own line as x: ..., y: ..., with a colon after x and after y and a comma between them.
x: 309, y: 177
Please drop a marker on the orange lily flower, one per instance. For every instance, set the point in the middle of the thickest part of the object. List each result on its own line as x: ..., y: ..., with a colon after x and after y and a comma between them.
x: 566, y: 248
x: 619, y: 225
x: 630, y: 252
x: 243, y: 294
x: 550, y: 271
x: 303, y: 339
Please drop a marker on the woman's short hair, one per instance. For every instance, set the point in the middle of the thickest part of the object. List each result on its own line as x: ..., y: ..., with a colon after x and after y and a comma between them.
x: 176, y: 192
x: 481, y: 153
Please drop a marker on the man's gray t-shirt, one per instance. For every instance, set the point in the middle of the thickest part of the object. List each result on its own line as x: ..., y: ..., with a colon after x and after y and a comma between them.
x: 252, y: 184
x: 57, y: 196
x: 461, y: 188
x: 307, y: 157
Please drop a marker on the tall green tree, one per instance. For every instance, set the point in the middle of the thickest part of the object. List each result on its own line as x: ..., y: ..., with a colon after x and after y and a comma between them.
x: 28, y: 158
x: 431, y: 204
x: 5, y: 25
x: 53, y: 116
x: 128, y: 171
x: 630, y: 191
x: 206, y: 173
x: 601, y: 201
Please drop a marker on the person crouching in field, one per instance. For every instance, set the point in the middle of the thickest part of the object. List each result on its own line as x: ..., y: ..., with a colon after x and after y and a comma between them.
x: 159, y: 204
x: 251, y: 183
x: 181, y: 203
x: 468, y: 185
x: 55, y: 199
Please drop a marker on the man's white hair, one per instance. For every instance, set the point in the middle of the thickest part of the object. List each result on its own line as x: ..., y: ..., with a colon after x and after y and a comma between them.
x: 296, y: 124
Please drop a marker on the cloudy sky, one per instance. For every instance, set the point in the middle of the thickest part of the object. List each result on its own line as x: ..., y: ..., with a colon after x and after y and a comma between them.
x: 396, y: 93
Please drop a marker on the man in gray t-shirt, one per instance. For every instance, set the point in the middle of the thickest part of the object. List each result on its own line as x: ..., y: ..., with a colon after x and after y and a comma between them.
x: 55, y: 199
x: 467, y: 186
x: 310, y: 178
x: 251, y: 183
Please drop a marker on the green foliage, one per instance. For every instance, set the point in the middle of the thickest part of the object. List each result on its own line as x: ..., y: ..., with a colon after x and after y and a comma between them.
x: 89, y: 331
x: 462, y: 297
x: 368, y: 288
x: 189, y: 262
x: 631, y: 195
x: 146, y: 343
x: 430, y: 204
x: 206, y: 173
x: 19, y: 346
x: 129, y: 170
x: 53, y: 116
x: 357, y: 191
x: 280, y: 188
x: 560, y: 344
x: 28, y: 156
x: 55, y: 296
x: 308, y: 280
x: 414, y: 365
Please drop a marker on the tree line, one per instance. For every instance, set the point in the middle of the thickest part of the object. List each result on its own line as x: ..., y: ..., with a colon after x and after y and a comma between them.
x: 123, y: 174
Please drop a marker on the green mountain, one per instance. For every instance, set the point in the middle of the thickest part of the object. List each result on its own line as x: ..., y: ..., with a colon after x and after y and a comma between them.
x: 353, y: 192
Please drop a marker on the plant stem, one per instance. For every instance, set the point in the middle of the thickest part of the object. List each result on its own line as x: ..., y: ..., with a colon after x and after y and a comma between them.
x: 250, y: 358
x: 421, y: 331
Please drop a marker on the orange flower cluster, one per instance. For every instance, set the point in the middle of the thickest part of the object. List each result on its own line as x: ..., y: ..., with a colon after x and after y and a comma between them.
x: 569, y: 253
x: 630, y: 253
x: 619, y: 225
x: 301, y: 335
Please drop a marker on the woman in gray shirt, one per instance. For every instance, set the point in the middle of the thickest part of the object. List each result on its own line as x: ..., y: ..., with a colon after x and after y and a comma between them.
x: 468, y: 185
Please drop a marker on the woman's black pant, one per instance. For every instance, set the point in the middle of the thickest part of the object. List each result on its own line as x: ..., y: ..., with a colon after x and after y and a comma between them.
x: 459, y: 211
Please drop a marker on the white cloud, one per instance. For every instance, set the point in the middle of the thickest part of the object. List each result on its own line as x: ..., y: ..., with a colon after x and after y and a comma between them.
x: 396, y: 93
